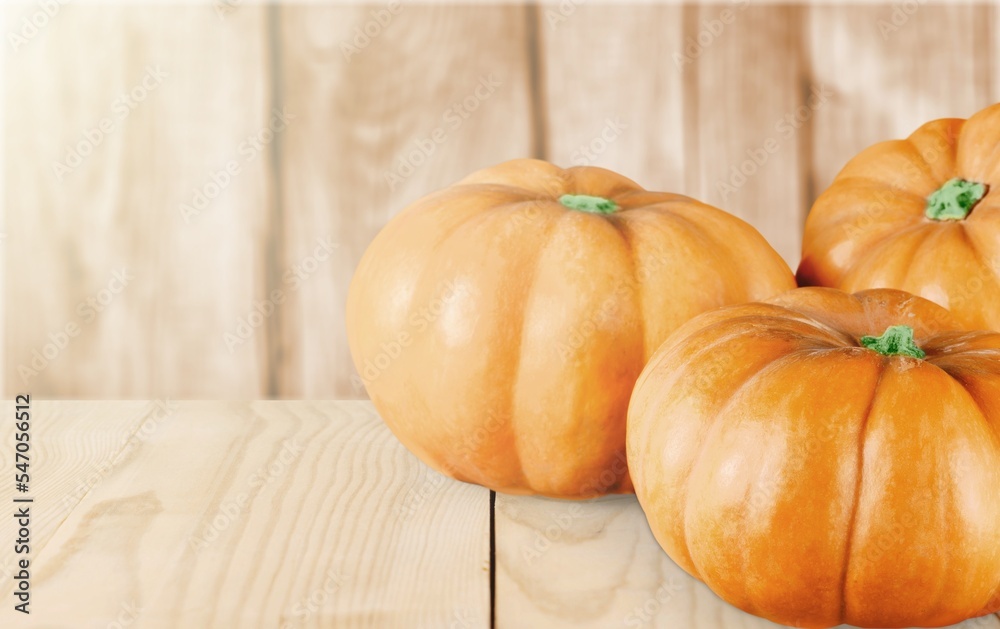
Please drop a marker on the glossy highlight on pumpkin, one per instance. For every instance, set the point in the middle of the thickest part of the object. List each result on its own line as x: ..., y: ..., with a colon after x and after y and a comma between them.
x: 921, y: 215
x: 812, y: 480
x: 499, y: 324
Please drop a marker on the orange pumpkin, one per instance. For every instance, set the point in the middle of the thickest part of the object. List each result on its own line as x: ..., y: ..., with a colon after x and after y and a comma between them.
x: 499, y: 324
x: 824, y: 458
x: 921, y: 215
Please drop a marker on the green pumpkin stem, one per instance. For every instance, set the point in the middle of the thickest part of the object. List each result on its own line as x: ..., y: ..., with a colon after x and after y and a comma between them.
x: 587, y: 203
x: 897, y: 340
x: 954, y: 200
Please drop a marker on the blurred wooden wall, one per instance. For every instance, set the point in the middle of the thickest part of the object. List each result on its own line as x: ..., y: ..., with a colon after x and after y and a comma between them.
x: 627, y: 88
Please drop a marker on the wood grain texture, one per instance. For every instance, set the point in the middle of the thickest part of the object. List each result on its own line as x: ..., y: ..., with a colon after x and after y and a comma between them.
x: 677, y: 97
x: 438, y: 92
x: 615, y: 101
x: 744, y: 94
x: 74, y: 447
x: 311, y: 514
x: 266, y: 514
x: 596, y: 564
x: 194, y: 88
x: 902, y: 75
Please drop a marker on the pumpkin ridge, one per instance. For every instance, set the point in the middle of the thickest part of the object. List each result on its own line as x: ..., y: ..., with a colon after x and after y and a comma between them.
x: 669, y: 383
x: 835, y: 338
x: 441, y: 248
x: 624, y: 230
x: 935, y: 233
x: 703, y: 446
x: 752, y: 276
x: 539, y: 172
x: 864, y: 261
x: 902, y: 149
x: 652, y: 200
x: 991, y: 160
x: 929, y: 137
x: 925, y: 244
x: 693, y: 229
x: 479, y: 187
x: 880, y: 242
x: 832, y: 211
x: 527, y: 299
x: 623, y: 227
x: 678, y: 224
x: 856, y: 505
x: 977, y: 253
x: 828, y: 227
x: 927, y: 169
x: 849, y: 341
x: 956, y: 373
x: 829, y: 334
x: 421, y: 276
x: 851, y: 180
x: 519, y: 336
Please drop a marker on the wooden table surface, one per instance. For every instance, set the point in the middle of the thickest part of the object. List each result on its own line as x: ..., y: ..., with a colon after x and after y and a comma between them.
x: 311, y: 514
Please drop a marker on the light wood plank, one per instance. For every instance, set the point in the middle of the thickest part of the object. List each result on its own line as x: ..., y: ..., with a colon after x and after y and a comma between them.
x: 742, y: 86
x: 268, y: 514
x: 360, y: 116
x: 74, y: 446
x: 605, y: 103
x: 206, y: 90
x: 596, y: 564
x: 688, y: 126
x: 891, y: 71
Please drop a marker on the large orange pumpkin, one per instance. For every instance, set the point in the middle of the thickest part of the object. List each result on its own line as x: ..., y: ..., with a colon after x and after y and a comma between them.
x: 499, y: 324
x: 921, y: 215
x: 824, y: 458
